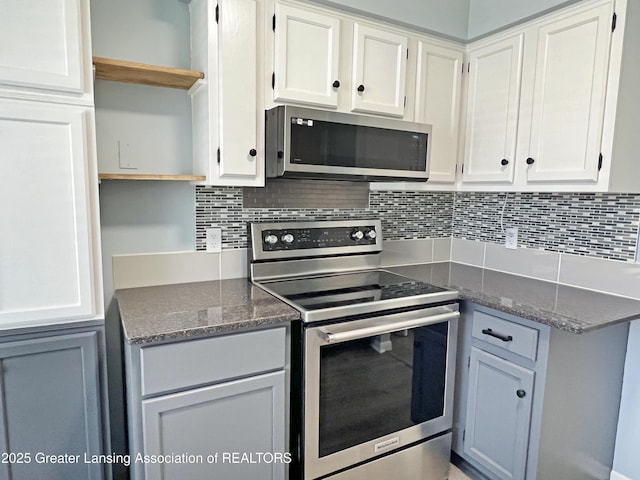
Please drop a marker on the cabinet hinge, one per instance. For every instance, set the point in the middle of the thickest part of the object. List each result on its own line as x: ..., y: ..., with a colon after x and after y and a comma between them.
x: 464, y: 434
x: 614, y: 21
x: 600, y: 162
x: 218, y: 155
x: 273, y: 22
x: 407, y: 53
x: 273, y: 81
x: 468, y: 362
x: 217, y: 13
x: 405, y: 101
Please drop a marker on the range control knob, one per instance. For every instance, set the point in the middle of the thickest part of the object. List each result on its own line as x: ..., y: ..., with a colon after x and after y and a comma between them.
x: 287, y: 238
x: 371, y: 234
x: 357, y: 235
x: 270, y: 239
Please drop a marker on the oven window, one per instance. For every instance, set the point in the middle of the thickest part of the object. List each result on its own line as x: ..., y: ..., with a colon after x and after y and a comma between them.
x: 378, y: 385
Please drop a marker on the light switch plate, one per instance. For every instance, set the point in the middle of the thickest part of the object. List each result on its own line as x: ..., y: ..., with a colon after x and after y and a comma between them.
x: 511, y: 238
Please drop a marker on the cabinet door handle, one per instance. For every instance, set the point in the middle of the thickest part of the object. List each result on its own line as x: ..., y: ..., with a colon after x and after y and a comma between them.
x: 336, y: 84
x: 504, y: 162
x: 361, y: 88
x: 253, y: 152
x: 491, y: 333
x: 521, y: 393
x: 530, y: 161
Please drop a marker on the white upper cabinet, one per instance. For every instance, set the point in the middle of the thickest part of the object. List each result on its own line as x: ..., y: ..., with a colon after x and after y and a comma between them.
x: 437, y: 103
x: 228, y: 123
x: 331, y: 60
x: 48, y: 272
x: 45, y: 46
x: 379, y: 71
x: 569, y: 97
x: 492, y: 111
x: 537, y: 100
x: 306, y: 61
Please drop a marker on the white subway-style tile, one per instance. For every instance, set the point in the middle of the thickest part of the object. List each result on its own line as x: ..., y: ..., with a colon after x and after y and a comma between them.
x: 529, y: 262
x: 467, y: 251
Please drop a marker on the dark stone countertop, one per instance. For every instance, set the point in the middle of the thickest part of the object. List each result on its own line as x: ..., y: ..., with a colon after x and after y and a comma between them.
x: 560, y: 306
x: 187, y: 310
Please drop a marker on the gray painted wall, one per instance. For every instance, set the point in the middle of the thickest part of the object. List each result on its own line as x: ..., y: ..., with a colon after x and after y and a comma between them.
x: 489, y: 15
x: 448, y: 18
x: 625, y: 460
x: 458, y: 19
x: 153, y: 126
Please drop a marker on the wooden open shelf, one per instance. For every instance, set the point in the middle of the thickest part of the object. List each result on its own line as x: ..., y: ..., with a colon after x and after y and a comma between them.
x: 149, y: 176
x: 132, y: 72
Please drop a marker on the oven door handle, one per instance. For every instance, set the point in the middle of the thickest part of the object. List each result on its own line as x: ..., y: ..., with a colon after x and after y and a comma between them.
x: 391, y: 326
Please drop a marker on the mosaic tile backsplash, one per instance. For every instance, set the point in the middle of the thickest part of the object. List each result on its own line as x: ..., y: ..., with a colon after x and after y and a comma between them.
x: 404, y: 215
x: 598, y: 225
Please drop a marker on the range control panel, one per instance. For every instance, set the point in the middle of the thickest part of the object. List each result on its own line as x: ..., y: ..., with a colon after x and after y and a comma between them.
x: 304, y: 238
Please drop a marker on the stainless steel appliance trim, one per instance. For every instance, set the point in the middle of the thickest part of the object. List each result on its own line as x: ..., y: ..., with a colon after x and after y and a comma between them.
x: 388, y: 326
x: 316, y: 466
x: 257, y: 253
x: 310, y: 316
x: 307, y: 267
x: 429, y: 459
x: 284, y: 165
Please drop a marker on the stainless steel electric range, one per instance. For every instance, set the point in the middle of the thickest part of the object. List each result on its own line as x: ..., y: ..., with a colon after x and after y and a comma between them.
x: 372, y: 358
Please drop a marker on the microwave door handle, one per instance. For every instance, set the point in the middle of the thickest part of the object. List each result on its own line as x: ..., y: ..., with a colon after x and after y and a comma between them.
x: 391, y: 326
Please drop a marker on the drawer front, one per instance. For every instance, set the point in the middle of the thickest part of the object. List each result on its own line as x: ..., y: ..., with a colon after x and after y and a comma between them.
x: 509, y: 336
x: 199, y: 362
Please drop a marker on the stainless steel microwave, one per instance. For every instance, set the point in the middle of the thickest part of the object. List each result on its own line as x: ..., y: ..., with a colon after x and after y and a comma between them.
x: 308, y: 143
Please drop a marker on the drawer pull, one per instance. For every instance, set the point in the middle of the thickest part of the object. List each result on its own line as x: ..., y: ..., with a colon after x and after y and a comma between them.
x: 504, y: 338
x: 521, y: 393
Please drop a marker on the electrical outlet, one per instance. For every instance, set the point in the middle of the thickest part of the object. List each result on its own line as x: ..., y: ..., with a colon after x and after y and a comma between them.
x: 214, y: 240
x: 511, y: 238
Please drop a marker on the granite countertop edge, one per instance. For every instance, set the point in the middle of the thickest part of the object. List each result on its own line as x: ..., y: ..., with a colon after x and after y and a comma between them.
x: 528, y: 309
x: 210, y: 331
x: 552, y: 319
x: 140, y: 328
x: 189, y: 311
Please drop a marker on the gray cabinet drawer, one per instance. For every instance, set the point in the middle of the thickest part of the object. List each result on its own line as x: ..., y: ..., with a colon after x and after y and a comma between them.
x: 199, y: 362
x: 516, y: 338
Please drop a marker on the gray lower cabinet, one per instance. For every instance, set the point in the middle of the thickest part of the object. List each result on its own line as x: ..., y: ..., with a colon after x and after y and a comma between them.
x: 208, y: 408
x: 535, y: 402
x: 498, y: 414
x: 50, y: 403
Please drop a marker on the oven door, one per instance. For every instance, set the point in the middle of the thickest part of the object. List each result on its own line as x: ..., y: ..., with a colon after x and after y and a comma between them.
x: 375, y: 385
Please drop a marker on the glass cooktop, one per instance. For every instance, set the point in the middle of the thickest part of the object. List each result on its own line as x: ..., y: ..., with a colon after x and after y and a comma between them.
x: 333, y: 296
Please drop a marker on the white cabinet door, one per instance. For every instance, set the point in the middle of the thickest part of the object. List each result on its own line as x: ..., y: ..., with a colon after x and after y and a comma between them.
x: 498, y: 415
x: 492, y: 111
x: 438, y: 92
x: 46, y: 267
x: 238, y: 140
x: 569, y: 97
x: 306, y: 57
x: 228, y: 125
x: 41, y: 44
x: 379, y: 71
